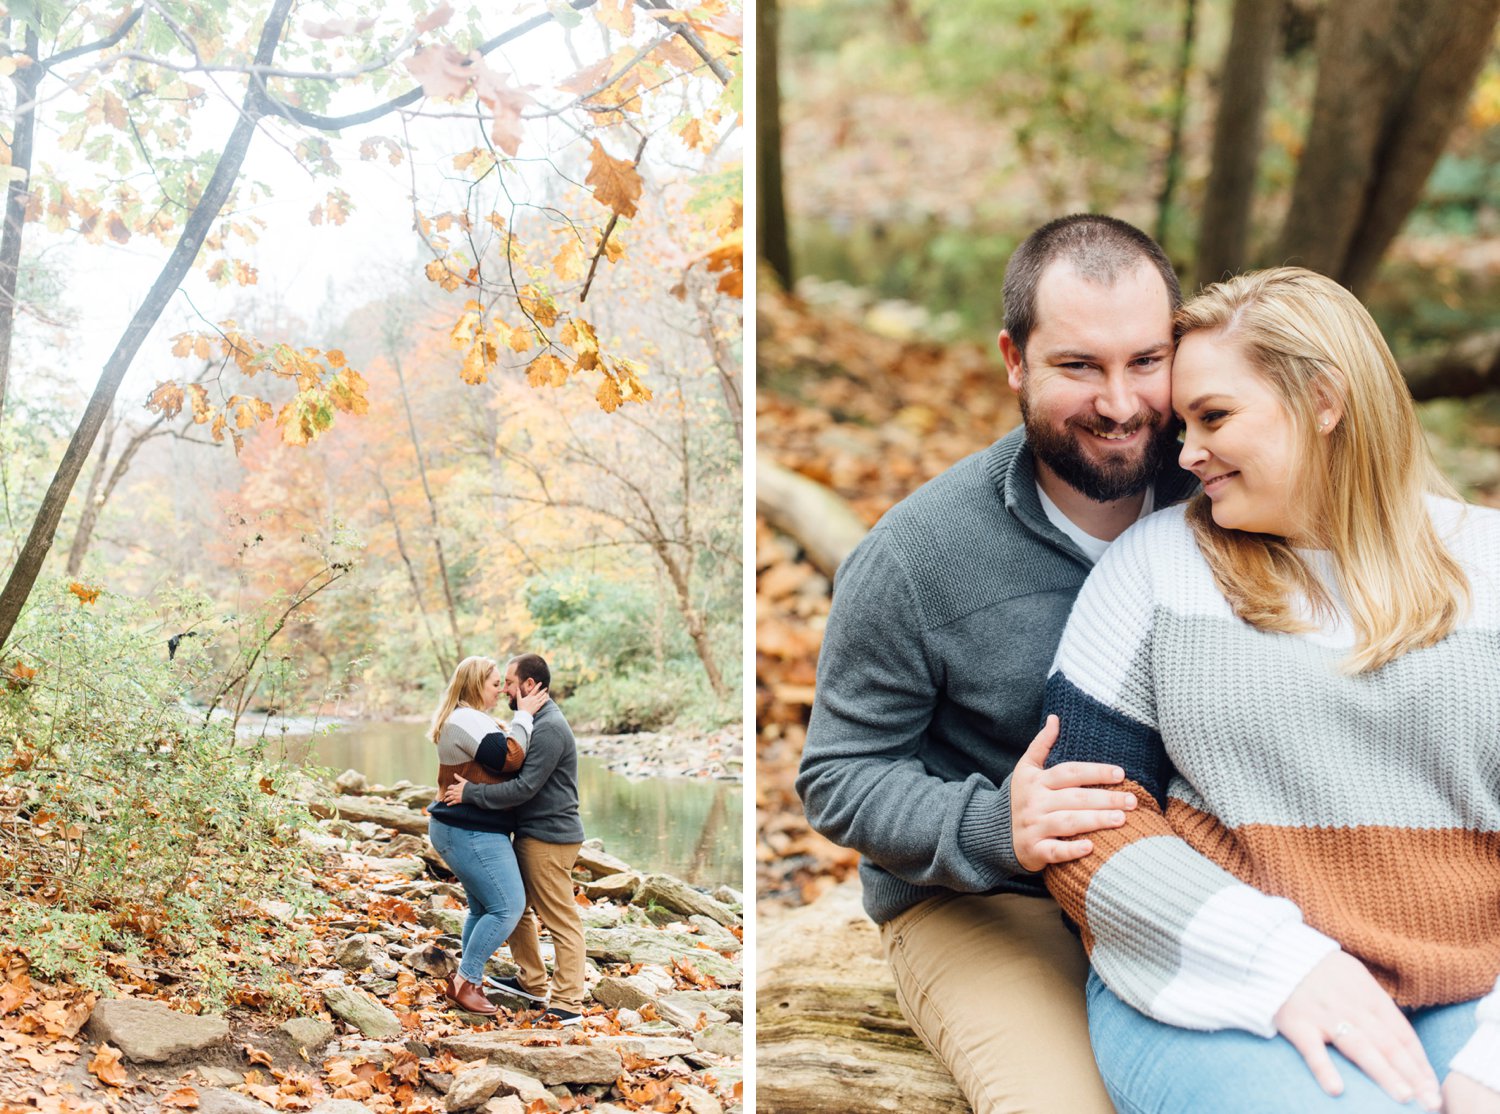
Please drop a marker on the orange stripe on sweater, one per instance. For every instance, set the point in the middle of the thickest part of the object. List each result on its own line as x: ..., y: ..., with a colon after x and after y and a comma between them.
x: 1419, y: 907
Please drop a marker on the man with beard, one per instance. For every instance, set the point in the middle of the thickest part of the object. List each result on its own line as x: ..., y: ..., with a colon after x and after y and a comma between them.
x: 920, y: 751
x: 548, y: 834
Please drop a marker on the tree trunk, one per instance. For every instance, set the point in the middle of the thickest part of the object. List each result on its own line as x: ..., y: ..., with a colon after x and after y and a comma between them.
x: 813, y: 516
x: 1469, y: 367
x: 432, y: 511
x: 43, y: 530
x: 1223, y: 235
x: 692, y: 618
x: 26, y: 80
x: 1393, y: 79
x: 770, y: 203
x: 91, y: 502
x: 1179, y: 111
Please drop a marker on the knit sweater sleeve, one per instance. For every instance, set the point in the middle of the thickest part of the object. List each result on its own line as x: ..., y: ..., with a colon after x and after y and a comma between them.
x: 862, y: 781
x: 1479, y: 1059
x: 1171, y: 933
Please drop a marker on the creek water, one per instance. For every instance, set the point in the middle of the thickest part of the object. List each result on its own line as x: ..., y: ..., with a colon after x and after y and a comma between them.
x: 679, y: 826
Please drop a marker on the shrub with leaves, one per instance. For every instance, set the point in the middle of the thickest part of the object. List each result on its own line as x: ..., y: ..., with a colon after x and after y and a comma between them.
x: 134, y: 829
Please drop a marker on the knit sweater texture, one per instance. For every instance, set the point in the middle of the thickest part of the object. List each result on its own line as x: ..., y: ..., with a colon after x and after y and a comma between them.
x: 944, y: 621
x: 1286, y: 808
x: 470, y: 737
x: 543, y: 797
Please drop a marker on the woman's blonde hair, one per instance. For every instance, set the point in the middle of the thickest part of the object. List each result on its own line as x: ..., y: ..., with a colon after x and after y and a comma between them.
x: 1317, y: 347
x: 466, y: 687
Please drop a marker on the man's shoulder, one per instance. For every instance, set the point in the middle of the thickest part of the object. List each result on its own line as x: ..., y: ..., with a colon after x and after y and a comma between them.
x: 550, y: 722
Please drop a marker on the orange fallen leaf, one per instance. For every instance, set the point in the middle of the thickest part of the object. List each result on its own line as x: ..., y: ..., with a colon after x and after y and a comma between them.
x: 184, y: 1098
x: 107, y: 1067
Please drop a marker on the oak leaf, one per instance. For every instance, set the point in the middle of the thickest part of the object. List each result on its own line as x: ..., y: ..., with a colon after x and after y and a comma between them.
x: 506, y: 102
x: 616, y: 183
x: 84, y: 592
x: 538, y: 306
x: 617, y: 15
x: 608, y: 395
x: 184, y: 1098
x: 166, y: 399
x: 546, y: 370
x: 442, y: 71
x: 570, y: 264
x: 588, y: 79
x: 439, y: 272
x: 347, y: 392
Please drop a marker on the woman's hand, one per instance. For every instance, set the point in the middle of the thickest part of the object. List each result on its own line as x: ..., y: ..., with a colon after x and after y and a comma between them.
x: 454, y: 794
x: 532, y: 701
x: 1462, y: 1095
x: 1340, y: 1003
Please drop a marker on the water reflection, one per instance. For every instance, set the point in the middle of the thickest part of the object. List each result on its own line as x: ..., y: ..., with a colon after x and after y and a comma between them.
x: 683, y: 827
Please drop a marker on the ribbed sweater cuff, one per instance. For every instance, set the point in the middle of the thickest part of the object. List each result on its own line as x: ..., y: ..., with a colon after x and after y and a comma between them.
x: 524, y: 721
x: 984, y: 835
x: 1286, y: 956
x: 1480, y: 1058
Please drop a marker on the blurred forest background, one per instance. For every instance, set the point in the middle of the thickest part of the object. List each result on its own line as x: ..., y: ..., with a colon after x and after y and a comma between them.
x: 905, y: 148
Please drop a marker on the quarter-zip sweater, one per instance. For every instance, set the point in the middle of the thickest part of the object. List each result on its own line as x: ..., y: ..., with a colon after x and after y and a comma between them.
x: 945, y: 619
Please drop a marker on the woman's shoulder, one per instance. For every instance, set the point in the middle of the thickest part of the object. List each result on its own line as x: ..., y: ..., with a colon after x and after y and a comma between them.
x: 1161, y: 540
x: 471, y: 722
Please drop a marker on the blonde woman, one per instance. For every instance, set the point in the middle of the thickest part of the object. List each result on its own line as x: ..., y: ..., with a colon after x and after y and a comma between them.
x: 1299, y: 673
x: 473, y: 841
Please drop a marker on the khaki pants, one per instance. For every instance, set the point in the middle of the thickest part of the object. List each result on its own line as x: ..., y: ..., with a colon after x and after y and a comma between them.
x: 994, y: 987
x: 549, y: 895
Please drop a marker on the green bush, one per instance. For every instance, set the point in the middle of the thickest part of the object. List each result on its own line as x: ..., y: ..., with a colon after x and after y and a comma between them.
x: 132, y: 826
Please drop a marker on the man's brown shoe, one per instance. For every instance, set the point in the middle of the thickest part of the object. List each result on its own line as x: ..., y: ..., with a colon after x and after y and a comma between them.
x: 467, y: 996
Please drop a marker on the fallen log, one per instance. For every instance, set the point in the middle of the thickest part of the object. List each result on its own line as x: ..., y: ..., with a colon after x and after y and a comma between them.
x: 817, y: 518
x: 1470, y: 366
x: 830, y: 1036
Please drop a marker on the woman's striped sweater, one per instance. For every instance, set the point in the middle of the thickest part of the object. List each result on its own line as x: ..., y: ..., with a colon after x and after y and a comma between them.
x: 1285, y: 808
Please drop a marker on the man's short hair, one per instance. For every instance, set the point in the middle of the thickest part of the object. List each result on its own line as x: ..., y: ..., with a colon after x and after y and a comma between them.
x: 533, y: 667
x: 1101, y: 249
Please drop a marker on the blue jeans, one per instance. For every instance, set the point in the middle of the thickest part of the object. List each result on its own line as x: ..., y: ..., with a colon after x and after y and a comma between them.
x: 1152, y: 1068
x: 486, y: 865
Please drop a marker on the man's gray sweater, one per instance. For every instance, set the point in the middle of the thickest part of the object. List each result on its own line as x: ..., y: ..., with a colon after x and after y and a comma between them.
x: 544, y: 795
x: 945, y: 620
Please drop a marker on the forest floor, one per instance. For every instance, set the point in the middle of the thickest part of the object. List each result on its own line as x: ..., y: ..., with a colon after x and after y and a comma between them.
x: 661, y: 1028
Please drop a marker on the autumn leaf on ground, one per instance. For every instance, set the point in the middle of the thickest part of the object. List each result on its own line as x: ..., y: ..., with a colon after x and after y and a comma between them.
x: 617, y: 184
x: 184, y: 1098
x: 106, y: 1066
x: 19, y: 676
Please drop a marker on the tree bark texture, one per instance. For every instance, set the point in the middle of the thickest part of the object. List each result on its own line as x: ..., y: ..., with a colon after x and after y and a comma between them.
x: 1165, y: 198
x: 1224, y: 231
x: 1393, y: 79
x: 97, y: 496
x: 770, y: 202
x: 830, y: 1037
x: 26, y: 80
x: 43, y: 530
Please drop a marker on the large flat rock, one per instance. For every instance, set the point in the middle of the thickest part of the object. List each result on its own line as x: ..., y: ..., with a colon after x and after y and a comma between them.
x: 364, y: 810
x: 150, y: 1032
x: 645, y: 945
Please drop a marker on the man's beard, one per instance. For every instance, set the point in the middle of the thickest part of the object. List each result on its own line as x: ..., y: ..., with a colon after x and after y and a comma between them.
x: 511, y: 700
x: 1107, y: 481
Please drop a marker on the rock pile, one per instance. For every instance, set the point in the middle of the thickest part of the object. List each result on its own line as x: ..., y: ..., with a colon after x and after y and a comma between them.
x: 661, y: 1028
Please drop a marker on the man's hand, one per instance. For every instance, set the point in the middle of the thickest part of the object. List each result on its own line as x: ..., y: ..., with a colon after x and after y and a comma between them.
x: 532, y: 701
x: 1340, y: 1003
x: 454, y: 794
x: 1462, y: 1095
x: 1048, y: 806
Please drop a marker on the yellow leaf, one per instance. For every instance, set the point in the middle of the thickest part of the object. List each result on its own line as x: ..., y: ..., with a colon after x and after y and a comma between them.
x: 348, y: 392
x: 618, y: 15
x: 538, y: 306
x: 520, y: 339
x: 183, y: 345
x: 570, y: 264
x: 578, y: 335
x: 608, y: 395
x: 202, y: 410
x: 546, y: 369
x: 200, y: 347
x: 166, y: 399
x: 616, y: 183
x: 335, y: 357
x: 692, y: 135
x: 439, y: 272
x: 480, y: 357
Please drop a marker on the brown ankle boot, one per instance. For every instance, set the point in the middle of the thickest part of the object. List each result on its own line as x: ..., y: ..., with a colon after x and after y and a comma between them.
x: 466, y: 996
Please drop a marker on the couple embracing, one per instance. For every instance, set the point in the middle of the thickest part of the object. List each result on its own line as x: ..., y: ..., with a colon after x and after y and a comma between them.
x: 495, y: 784
x: 1253, y: 855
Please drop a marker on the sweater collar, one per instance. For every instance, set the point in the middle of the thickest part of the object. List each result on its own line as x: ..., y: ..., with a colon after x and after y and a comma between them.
x: 1012, y: 468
